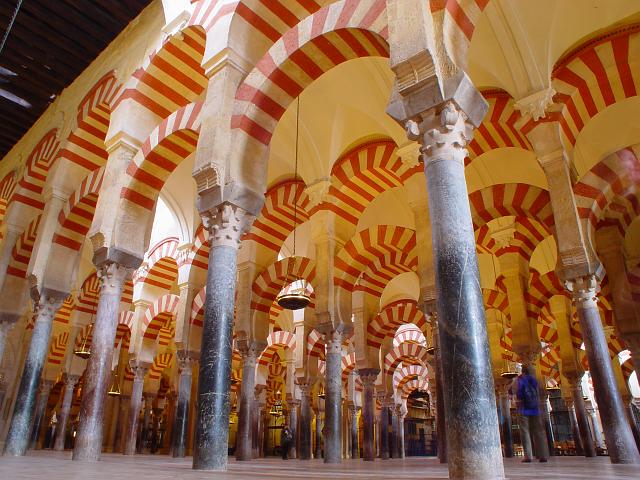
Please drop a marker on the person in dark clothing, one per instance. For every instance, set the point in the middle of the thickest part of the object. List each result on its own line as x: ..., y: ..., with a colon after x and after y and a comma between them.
x: 529, y: 416
x: 285, y: 441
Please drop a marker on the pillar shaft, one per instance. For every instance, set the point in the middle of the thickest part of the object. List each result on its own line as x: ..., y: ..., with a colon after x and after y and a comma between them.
x: 88, y: 444
x: 368, y: 377
x: 353, y: 413
x: 292, y: 414
x: 226, y: 224
x: 247, y: 396
x: 63, y: 418
x: 582, y: 421
x: 181, y: 423
x: 384, y: 430
x: 505, y: 413
x: 318, y: 452
x: 401, y: 435
x: 5, y: 326
x: 305, y: 420
x: 394, y: 432
x: 17, y: 439
x: 620, y: 442
x: 575, y: 430
x: 134, y: 410
x: 121, y: 426
x: 333, y: 399
x: 473, y: 440
x: 41, y: 409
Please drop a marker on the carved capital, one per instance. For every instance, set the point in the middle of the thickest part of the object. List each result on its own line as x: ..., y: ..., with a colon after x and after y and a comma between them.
x: 368, y: 376
x: 45, y: 387
x: 305, y: 385
x: 528, y: 357
x: 139, y: 372
x: 112, y: 277
x: 584, y: 291
x: 185, y: 362
x: 445, y: 132
x: 333, y: 342
x: 46, y: 308
x: 536, y: 104
x: 226, y: 223
x: 71, y: 381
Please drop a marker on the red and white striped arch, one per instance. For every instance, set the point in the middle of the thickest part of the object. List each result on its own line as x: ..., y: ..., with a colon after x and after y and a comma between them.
x: 74, y: 220
x: 160, y: 364
x: 363, y: 173
x: 511, y: 199
x: 169, y: 144
x: 348, y: 364
x: 408, y: 372
x: 89, y: 292
x: 162, y: 265
x: 527, y: 235
x: 548, y: 334
x: 398, y: 313
x: 413, y: 385
x: 609, y: 194
x: 125, y: 326
x: 276, y: 340
x: 541, y: 289
x: 340, y: 32
x: 270, y: 282
x: 595, y: 75
x: 498, y: 129
x: 172, y: 76
x: 7, y: 187
x: 410, y: 334
x: 409, y: 353
x: 277, y: 218
x: 379, y: 253
x: 315, y: 344
x: 21, y: 252
x: 199, y: 254
x: 85, y: 145
x: 58, y: 349
x: 63, y: 315
x: 160, y: 315
x: 496, y: 299
x: 29, y: 188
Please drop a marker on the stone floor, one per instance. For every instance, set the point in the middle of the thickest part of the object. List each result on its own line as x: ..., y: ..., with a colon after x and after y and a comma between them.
x: 58, y: 466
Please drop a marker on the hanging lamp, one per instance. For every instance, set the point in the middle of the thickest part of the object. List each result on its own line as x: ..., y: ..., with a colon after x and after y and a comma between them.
x: 84, y: 351
x: 295, y: 296
x: 114, y: 389
x: 508, y: 367
x: 321, y: 393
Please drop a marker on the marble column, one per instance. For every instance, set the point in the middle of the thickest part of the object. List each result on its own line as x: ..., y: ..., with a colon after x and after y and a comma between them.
x: 333, y: 398
x: 546, y: 420
x: 41, y: 410
x: 353, y: 423
x: 393, y: 410
x: 368, y: 377
x: 505, y: 414
x: 17, y: 439
x: 258, y: 426
x: 401, y: 432
x: 139, y: 372
x: 595, y: 426
x: 473, y: 439
x: 575, y: 430
x: 441, y: 419
x: 118, y: 440
x: 225, y: 224
x: 147, y: 419
x: 305, y: 386
x: 181, y: 424
x: 384, y: 429
x: 63, y: 418
x: 582, y: 420
x: 5, y: 326
x: 620, y: 442
x: 247, y: 396
x: 318, y: 451
x: 97, y: 376
x: 292, y: 414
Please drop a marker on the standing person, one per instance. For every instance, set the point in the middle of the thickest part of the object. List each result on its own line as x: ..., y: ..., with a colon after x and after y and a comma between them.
x: 529, y: 416
x: 285, y: 441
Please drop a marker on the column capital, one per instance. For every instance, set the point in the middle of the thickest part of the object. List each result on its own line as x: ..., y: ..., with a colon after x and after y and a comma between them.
x: 584, y: 290
x: 112, y: 277
x: 47, y: 305
x: 45, y: 386
x: 368, y: 376
x: 186, y: 358
x: 305, y: 384
x: 528, y: 357
x: 333, y: 341
x: 139, y: 371
x: 71, y: 380
x: 226, y: 223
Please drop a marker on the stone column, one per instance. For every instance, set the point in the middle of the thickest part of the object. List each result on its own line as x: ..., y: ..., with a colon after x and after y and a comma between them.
x: 305, y: 386
x: 400, y: 432
x: 473, y: 440
x: 292, y: 414
x: 393, y: 410
x: 620, y: 442
x: 595, y: 426
x: 181, y: 424
x: 546, y: 418
x: 5, y: 326
x: 225, y: 224
x: 247, y: 396
x: 333, y: 398
x: 147, y: 419
x: 505, y: 412
x: 139, y: 372
x: 318, y: 452
x: 88, y: 444
x: 353, y: 415
x: 41, y: 410
x: 575, y: 430
x: 258, y: 426
x: 119, y: 440
x: 17, y: 439
x: 582, y: 420
x: 384, y: 428
x: 63, y: 418
x: 368, y: 377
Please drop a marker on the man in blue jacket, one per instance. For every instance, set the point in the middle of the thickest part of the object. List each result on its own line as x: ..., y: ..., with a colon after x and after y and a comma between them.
x: 529, y: 418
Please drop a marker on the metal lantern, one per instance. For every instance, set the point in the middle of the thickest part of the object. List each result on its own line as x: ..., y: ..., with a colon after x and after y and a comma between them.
x: 114, y: 389
x: 84, y: 351
x: 321, y: 393
x: 295, y: 296
x: 508, y: 370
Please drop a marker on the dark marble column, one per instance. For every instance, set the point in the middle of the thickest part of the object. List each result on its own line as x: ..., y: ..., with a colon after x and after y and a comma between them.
x: 292, y: 414
x: 620, y: 442
x: 393, y: 410
x: 575, y: 430
x: 582, y: 420
x: 368, y: 378
x: 258, y: 426
x: 97, y: 376
x: 353, y: 423
x: 318, y: 451
x: 5, y: 326
x: 181, y: 424
x: 595, y: 428
x: 225, y: 224
x: 384, y: 429
x: 63, y: 418
x: 545, y: 415
x: 247, y: 396
x: 505, y: 415
x: 17, y: 439
x: 333, y: 398
x: 139, y: 372
x: 121, y: 426
x: 473, y: 440
x: 441, y: 415
x: 401, y: 432
x: 147, y: 419
x: 306, y: 386
x: 41, y: 409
